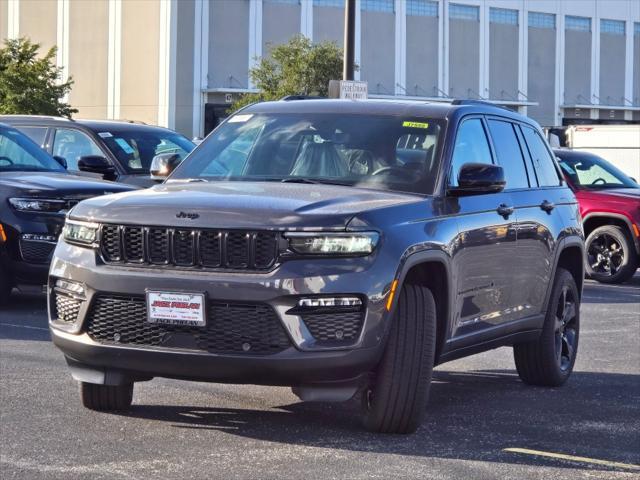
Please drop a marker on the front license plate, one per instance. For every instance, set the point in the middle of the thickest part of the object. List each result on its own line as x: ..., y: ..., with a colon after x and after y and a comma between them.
x: 174, y: 308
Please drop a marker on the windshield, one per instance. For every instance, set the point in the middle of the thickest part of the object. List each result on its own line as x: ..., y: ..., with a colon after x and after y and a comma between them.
x: 387, y: 152
x: 19, y: 153
x: 135, y: 149
x: 592, y: 172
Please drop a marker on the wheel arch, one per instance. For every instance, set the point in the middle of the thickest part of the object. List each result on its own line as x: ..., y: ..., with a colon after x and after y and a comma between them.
x: 432, y: 270
x: 592, y: 221
x: 570, y: 256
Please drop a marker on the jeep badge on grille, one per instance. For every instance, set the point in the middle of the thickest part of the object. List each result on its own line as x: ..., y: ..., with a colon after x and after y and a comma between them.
x: 190, y: 216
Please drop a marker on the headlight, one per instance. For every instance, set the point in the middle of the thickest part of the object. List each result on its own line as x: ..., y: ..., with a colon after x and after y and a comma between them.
x: 84, y: 233
x: 333, y: 243
x: 38, y: 204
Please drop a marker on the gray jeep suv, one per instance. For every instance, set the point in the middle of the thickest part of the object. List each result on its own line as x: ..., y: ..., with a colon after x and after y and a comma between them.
x: 341, y: 248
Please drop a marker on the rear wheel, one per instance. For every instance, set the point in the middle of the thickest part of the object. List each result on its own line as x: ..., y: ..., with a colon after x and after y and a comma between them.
x: 106, y: 397
x: 611, y: 255
x: 396, y: 400
x: 549, y: 360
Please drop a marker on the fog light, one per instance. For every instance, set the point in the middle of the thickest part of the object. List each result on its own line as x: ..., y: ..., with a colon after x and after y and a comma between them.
x: 70, y: 286
x: 329, y: 302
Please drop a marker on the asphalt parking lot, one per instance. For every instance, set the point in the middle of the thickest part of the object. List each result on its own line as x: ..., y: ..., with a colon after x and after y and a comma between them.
x: 479, y: 412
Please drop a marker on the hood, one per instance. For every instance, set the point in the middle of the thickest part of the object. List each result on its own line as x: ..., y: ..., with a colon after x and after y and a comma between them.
x: 617, y: 194
x: 250, y: 205
x: 57, y: 185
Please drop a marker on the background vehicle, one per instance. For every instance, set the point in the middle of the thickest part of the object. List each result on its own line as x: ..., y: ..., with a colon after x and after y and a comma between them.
x: 333, y: 246
x: 35, y: 193
x: 117, y: 151
x: 610, y: 208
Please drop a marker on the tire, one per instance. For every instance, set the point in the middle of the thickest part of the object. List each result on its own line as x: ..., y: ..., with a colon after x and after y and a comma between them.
x: 105, y: 398
x: 549, y: 360
x: 611, y: 256
x: 6, y: 286
x: 396, y: 400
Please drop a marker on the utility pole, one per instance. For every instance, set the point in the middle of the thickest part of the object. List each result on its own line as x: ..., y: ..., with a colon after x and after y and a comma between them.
x: 349, y: 39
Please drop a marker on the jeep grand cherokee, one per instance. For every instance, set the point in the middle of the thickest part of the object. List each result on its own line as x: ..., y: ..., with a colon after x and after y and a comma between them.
x: 341, y: 248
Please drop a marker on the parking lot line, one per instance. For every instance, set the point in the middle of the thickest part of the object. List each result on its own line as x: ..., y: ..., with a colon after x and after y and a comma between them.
x: 573, y: 458
x: 23, y: 326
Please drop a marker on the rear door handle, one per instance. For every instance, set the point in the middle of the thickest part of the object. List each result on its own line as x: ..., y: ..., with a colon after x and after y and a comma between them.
x: 505, y: 210
x: 547, y: 206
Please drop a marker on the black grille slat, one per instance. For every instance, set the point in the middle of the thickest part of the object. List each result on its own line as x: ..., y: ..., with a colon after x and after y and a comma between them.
x: 36, y: 251
x: 133, y: 241
x: 190, y: 248
x: 252, y: 329
x: 331, y: 327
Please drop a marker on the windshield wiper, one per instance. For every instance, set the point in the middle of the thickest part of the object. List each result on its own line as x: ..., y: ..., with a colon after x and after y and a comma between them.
x: 299, y: 180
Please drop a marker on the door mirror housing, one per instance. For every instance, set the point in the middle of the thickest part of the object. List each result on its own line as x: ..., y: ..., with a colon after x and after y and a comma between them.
x: 61, y: 160
x: 162, y: 165
x: 478, y: 179
x: 96, y: 164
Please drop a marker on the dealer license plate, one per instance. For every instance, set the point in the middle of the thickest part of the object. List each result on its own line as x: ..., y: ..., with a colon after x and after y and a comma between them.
x: 176, y: 308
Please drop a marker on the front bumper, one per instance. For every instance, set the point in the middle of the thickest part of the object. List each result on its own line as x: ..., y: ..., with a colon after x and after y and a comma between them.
x: 304, y: 362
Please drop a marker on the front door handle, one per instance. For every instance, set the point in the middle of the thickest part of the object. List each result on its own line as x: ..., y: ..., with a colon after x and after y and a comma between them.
x: 547, y: 206
x: 505, y: 210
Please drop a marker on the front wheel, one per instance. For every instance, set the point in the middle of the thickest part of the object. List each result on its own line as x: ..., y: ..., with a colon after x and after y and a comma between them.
x: 548, y: 361
x: 611, y: 255
x: 396, y: 400
x: 105, y: 398
x: 6, y: 286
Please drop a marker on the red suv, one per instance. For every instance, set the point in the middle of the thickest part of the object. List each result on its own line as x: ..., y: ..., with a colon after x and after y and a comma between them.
x: 610, y: 207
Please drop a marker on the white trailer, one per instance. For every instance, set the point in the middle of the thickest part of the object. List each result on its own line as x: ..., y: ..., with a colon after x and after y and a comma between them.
x: 618, y: 144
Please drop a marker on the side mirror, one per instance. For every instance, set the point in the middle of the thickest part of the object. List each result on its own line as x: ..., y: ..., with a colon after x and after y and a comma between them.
x: 96, y: 164
x: 162, y: 165
x: 479, y: 178
x: 61, y: 160
x: 633, y: 180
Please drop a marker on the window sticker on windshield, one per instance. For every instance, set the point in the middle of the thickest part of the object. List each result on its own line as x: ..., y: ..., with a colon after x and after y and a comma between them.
x: 241, y: 118
x: 415, y: 124
x: 105, y: 135
x: 124, y: 145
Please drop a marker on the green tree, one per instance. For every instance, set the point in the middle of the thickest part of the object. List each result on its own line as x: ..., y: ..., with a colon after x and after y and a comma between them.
x: 298, y: 67
x: 30, y: 84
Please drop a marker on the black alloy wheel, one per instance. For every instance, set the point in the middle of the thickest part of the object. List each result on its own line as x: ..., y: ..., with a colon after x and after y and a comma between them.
x: 611, y: 255
x: 565, y: 328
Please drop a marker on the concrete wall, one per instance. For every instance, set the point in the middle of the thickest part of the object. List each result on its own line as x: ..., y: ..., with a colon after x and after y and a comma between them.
x: 228, y: 44
x: 422, y: 55
x: 4, y: 18
x: 184, y: 67
x: 280, y: 21
x: 464, y: 61
x: 88, y: 57
x: 140, y: 60
x: 328, y: 24
x: 503, y: 61
x: 378, y: 51
x: 38, y: 21
x: 541, y: 66
x: 577, y: 67
x: 612, y: 71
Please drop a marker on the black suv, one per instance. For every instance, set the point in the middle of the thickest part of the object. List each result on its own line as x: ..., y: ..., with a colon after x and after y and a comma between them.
x: 339, y: 247
x: 115, y: 150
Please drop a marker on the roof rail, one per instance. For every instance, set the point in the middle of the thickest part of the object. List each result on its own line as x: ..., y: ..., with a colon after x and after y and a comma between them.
x: 288, y: 98
x: 469, y: 101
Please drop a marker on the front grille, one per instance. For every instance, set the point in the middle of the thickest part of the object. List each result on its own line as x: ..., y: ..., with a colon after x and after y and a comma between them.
x: 197, y: 248
x: 252, y: 329
x: 67, y: 308
x: 36, y: 251
x: 332, y: 327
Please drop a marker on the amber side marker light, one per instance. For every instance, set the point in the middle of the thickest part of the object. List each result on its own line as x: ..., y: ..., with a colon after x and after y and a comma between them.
x: 635, y: 230
x: 392, y: 294
x: 3, y: 236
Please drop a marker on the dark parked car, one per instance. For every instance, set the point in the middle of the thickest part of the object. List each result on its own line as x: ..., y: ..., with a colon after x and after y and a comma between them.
x: 115, y: 150
x: 610, y: 208
x: 337, y: 247
x: 35, y: 193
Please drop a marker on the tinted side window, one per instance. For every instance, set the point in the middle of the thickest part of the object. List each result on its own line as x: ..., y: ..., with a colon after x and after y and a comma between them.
x: 471, y: 147
x: 72, y: 144
x: 36, y: 134
x: 542, y: 161
x: 509, y: 153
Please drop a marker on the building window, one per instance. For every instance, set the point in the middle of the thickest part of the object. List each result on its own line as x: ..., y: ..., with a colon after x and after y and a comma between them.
x: 542, y: 20
x: 503, y: 15
x: 289, y: 2
x: 614, y: 27
x: 582, y: 24
x: 423, y: 8
x: 636, y: 29
x: 328, y: 3
x: 378, y: 5
x: 464, y: 12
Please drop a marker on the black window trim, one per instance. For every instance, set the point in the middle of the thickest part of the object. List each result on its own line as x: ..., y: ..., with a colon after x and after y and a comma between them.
x: 561, y: 181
